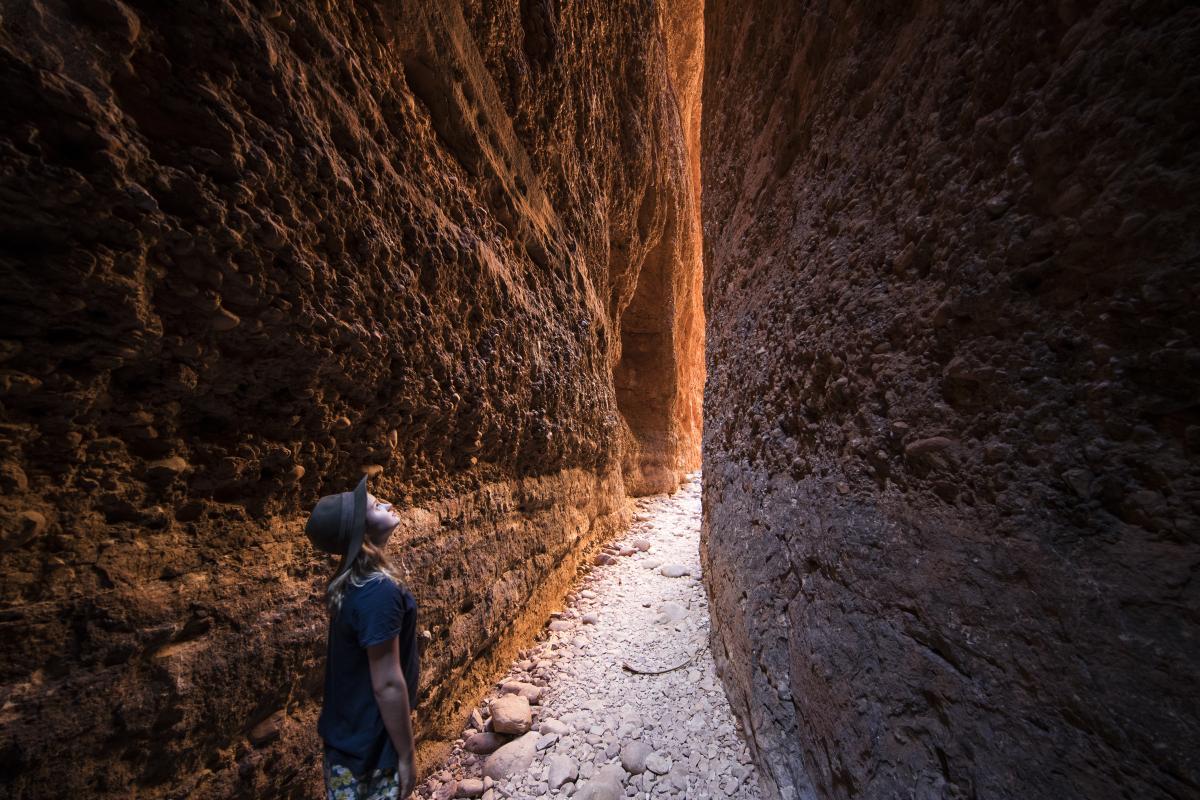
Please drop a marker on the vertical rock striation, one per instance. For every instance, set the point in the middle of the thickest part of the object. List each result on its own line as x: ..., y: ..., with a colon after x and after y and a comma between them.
x: 659, y: 367
x: 951, y: 423
x: 251, y: 249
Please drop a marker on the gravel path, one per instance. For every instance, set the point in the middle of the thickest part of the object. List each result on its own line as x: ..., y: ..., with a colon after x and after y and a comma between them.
x: 577, y: 723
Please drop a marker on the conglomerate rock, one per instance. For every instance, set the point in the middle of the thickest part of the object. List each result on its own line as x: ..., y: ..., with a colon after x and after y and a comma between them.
x: 250, y: 249
x: 951, y: 421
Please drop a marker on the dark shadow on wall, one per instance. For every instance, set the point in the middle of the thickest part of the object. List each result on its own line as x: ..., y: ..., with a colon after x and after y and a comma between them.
x: 645, y: 378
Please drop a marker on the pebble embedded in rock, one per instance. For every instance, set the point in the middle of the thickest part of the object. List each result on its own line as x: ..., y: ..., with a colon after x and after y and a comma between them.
x: 167, y: 468
x: 268, y: 730
x: 25, y: 526
x: 224, y: 320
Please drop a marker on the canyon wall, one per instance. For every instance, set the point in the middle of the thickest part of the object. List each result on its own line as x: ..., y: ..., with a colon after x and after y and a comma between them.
x: 251, y: 250
x: 952, y: 266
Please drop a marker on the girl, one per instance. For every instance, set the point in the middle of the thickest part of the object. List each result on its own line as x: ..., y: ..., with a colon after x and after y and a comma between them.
x: 371, y: 665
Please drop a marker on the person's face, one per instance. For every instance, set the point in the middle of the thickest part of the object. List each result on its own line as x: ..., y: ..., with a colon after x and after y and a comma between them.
x: 381, y: 519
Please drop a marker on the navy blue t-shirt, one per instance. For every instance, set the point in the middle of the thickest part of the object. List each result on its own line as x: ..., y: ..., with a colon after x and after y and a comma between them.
x: 350, y: 723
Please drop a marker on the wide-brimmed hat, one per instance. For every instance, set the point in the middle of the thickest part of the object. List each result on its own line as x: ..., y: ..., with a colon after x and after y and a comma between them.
x: 337, y: 524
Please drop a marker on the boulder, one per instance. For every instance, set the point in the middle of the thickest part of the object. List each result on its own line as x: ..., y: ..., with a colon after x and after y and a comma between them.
x: 512, y: 758
x: 510, y: 714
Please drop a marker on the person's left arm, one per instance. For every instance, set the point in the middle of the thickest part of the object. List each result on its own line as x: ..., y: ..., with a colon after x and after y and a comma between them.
x: 391, y: 694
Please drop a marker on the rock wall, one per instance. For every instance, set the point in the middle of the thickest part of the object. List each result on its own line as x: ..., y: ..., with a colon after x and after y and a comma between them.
x: 251, y: 249
x: 951, y: 424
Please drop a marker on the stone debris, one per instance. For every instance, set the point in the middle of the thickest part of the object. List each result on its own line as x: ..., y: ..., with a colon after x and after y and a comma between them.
x: 527, y: 690
x: 554, y: 726
x: 511, y: 714
x: 658, y: 764
x: 633, y: 757
x: 513, y: 758
x: 561, y: 770
x: 603, y: 731
x: 471, y: 787
x: 671, y: 612
x: 599, y: 790
x: 483, y: 743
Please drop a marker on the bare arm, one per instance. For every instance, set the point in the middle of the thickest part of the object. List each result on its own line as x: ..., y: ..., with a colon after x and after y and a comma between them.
x: 391, y: 693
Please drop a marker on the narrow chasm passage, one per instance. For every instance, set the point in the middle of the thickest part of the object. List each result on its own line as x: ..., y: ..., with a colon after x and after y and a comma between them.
x: 620, y: 695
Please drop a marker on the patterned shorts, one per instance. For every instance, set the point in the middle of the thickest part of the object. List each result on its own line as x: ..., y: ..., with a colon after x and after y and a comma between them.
x: 340, y: 784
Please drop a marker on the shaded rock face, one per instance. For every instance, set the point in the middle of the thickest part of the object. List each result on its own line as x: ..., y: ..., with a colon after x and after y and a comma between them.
x: 950, y: 422
x: 663, y: 323
x: 252, y: 249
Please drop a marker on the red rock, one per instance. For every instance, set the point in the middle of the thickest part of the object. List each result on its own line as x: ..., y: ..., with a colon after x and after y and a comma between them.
x: 341, y: 238
x: 268, y: 730
x: 167, y: 468
x: 21, y: 527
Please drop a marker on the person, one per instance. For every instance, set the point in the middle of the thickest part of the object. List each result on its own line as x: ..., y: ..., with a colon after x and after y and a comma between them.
x: 371, y: 666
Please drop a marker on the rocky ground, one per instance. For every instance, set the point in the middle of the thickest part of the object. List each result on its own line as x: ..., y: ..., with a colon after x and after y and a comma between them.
x: 585, y: 712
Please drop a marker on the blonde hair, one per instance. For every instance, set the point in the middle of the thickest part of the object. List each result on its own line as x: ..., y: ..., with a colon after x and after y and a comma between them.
x: 372, y: 564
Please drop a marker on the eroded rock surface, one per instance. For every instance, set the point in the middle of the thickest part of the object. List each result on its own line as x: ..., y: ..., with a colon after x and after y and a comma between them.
x: 250, y: 249
x: 951, y: 427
